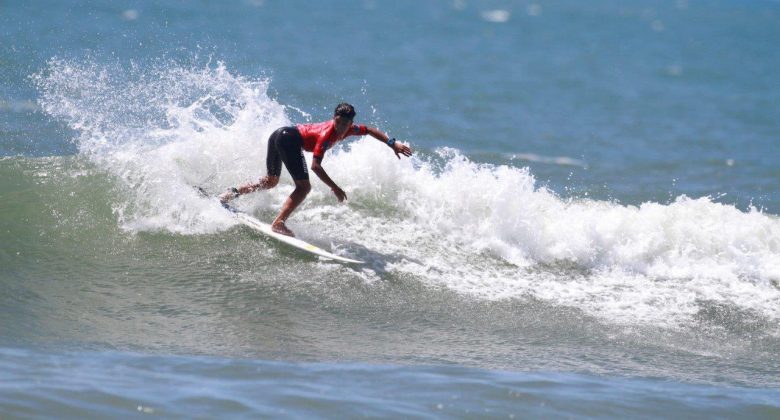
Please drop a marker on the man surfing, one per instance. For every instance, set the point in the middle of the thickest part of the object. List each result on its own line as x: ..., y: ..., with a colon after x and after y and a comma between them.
x: 286, y: 145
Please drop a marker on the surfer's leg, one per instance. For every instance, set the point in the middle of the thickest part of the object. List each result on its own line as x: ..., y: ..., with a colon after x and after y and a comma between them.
x: 291, y: 152
x: 265, y: 183
x: 302, y: 188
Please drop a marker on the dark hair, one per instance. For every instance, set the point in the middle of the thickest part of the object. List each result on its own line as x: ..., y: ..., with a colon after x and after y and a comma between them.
x: 344, y: 110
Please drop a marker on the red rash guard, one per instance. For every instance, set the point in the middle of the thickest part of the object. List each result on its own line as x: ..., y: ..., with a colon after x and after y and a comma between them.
x: 319, y: 137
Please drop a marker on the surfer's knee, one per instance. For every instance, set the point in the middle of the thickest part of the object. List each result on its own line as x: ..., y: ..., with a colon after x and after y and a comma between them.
x: 303, y: 187
x: 268, y: 182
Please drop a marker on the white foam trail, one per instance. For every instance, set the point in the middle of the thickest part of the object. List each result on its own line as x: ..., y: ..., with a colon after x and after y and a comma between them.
x: 483, y: 230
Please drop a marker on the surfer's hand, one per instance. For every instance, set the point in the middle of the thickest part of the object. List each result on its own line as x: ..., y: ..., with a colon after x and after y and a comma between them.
x: 402, y: 149
x: 340, y: 194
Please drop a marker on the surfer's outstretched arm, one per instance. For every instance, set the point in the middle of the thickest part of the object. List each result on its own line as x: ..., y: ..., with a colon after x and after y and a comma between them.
x: 398, y: 148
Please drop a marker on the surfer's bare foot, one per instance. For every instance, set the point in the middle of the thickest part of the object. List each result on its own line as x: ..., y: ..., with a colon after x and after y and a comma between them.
x: 228, y: 195
x: 279, y: 227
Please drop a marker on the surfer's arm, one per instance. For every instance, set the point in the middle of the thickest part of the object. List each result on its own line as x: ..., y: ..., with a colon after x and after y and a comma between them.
x: 398, y: 148
x: 316, y: 167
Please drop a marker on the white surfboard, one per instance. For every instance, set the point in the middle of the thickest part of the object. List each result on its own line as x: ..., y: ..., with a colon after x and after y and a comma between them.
x: 265, y: 229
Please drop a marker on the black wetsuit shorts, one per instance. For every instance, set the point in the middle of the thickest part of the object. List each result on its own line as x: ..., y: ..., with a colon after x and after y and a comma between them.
x: 286, y: 145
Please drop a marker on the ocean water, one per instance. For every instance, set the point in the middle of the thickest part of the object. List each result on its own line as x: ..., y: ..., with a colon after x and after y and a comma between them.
x: 588, y: 228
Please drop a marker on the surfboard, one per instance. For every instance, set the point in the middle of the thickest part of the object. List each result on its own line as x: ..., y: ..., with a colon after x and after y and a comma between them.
x: 264, y: 228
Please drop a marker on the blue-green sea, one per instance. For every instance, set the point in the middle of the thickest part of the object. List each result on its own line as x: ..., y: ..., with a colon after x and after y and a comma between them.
x: 588, y: 227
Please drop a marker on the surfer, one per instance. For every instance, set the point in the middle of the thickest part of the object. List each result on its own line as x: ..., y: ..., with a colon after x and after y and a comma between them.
x: 286, y: 145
